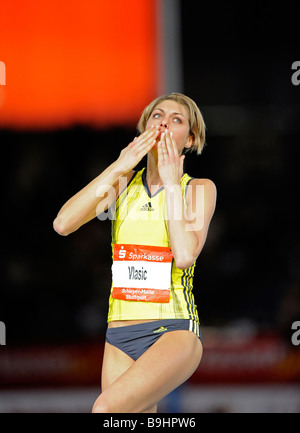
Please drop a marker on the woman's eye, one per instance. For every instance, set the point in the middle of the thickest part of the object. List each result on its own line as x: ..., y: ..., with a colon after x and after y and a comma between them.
x: 156, y: 116
x: 177, y: 120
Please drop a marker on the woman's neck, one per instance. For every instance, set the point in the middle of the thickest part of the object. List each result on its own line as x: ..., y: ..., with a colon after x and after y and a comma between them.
x: 152, y: 177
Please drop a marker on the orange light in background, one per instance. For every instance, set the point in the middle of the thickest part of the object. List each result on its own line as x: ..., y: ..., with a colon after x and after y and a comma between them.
x: 82, y: 61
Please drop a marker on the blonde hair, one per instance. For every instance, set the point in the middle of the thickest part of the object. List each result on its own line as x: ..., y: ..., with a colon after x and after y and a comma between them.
x: 196, y: 121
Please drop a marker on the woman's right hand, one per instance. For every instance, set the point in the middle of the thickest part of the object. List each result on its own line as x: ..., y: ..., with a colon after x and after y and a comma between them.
x: 98, y: 195
x: 131, y: 155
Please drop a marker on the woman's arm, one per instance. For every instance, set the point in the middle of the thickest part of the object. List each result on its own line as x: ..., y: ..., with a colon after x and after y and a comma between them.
x: 99, y: 194
x: 82, y: 207
x: 187, y: 227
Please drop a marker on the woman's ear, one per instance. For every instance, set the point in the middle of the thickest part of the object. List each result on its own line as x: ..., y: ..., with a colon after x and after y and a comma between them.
x: 190, y: 142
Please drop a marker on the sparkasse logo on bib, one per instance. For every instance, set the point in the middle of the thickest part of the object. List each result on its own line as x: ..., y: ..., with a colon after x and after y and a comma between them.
x: 122, y: 253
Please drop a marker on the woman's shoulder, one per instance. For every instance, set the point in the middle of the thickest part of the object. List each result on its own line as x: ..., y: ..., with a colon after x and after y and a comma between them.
x: 200, y: 185
x: 127, y: 179
x: 208, y: 183
x: 134, y: 174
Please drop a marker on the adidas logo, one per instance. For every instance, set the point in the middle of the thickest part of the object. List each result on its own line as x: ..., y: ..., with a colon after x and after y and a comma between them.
x: 147, y: 207
x: 161, y: 329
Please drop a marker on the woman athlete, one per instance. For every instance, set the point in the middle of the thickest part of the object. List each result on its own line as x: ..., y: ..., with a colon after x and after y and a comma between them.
x: 159, y: 227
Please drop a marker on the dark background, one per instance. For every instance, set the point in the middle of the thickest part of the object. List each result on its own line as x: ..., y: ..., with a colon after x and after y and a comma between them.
x: 237, y: 60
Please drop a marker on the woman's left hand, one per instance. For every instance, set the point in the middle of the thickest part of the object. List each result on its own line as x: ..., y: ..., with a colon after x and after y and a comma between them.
x: 170, y: 164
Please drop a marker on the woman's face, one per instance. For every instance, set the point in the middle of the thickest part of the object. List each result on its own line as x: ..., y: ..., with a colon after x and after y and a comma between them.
x: 174, y: 117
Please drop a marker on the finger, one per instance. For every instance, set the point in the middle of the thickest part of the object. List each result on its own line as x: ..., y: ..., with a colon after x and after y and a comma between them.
x: 146, y: 147
x: 174, y: 145
x: 169, y: 145
x: 181, y: 159
x: 150, y: 131
x: 148, y: 136
x: 164, y: 146
x: 133, y: 142
x: 143, y: 140
x: 160, y: 153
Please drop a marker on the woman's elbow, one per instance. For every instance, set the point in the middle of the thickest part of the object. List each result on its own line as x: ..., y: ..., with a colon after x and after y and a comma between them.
x: 59, y: 227
x: 184, y: 262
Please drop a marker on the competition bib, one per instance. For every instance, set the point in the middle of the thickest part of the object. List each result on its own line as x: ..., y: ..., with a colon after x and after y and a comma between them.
x: 141, y: 273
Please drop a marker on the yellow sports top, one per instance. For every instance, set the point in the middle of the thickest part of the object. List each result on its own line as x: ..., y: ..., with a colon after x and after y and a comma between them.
x: 141, y: 219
